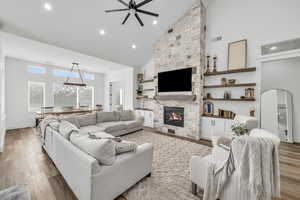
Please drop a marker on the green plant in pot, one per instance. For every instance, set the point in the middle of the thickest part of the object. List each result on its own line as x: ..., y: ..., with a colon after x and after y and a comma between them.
x: 239, y: 129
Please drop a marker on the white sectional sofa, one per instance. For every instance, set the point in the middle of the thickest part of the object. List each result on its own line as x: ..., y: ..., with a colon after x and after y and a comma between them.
x: 90, y: 180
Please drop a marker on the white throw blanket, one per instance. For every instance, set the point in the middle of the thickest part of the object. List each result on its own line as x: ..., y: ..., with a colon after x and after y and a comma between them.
x: 258, y: 166
x: 45, y: 123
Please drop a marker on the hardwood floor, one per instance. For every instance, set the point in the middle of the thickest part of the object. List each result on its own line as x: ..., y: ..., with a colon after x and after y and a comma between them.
x: 24, y: 162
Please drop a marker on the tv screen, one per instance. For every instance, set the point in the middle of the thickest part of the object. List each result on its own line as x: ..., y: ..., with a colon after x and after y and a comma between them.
x: 175, y: 81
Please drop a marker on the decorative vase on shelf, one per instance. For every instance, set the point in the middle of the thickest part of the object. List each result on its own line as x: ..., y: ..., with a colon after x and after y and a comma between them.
x: 215, y: 63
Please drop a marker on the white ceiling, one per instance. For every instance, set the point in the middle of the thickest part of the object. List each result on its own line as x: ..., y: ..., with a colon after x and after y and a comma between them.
x: 74, y: 25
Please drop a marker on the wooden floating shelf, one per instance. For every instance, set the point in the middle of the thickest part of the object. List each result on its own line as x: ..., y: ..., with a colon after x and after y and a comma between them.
x: 231, y: 85
x: 250, y: 69
x: 148, y: 90
x: 144, y: 98
x: 216, y: 116
x: 147, y: 81
x: 222, y: 99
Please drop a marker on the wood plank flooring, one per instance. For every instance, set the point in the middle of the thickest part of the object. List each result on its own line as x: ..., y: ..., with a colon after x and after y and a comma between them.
x: 24, y: 162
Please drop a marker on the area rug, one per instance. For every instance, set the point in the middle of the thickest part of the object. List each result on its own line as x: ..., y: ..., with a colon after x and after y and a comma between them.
x: 170, y: 178
x: 18, y: 192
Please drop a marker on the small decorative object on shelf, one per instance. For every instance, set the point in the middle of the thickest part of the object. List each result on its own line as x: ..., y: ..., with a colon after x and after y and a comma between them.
x: 239, y: 129
x: 226, y: 114
x: 208, y: 95
x: 252, y: 111
x: 249, y: 93
x: 99, y: 106
x: 208, y: 108
x: 140, y: 77
x: 208, y: 64
x: 215, y: 63
x: 227, y: 95
x: 223, y: 81
x: 139, y: 91
x: 232, y: 81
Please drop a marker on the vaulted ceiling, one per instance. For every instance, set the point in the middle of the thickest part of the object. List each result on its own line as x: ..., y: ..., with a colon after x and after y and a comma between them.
x: 75, y: 25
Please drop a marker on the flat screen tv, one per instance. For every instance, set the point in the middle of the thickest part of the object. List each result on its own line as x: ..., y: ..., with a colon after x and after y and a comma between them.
x: 175, y: 81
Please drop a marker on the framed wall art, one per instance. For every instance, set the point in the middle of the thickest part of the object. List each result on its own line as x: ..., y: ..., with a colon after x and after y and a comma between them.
x: 237, y: 55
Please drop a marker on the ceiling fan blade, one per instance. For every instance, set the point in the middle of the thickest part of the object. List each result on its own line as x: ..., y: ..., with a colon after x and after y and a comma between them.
x: 127, y: 16
x: 116, y: 10
x: 147, y: 12
x: 143, y: 3
x: 122, y: 2
x: 139, y: 19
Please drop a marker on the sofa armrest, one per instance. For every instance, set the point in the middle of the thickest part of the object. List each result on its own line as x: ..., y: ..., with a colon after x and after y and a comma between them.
x: 199, y: 166
x: 128, y: 169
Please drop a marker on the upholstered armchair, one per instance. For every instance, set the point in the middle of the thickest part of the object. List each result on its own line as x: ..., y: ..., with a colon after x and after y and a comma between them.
x: 233, y: 190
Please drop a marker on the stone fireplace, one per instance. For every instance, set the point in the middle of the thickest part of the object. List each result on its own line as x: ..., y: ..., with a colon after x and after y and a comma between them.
x: 183, y: 46
x: 174, y: 116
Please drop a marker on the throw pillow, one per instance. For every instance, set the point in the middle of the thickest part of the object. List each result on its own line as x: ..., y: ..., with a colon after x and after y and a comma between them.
x: 102, y: 150
x: 125, y: 146
x: 66, y: 129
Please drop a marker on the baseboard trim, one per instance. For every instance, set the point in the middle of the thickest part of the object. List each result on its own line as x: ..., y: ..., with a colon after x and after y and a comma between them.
x: 201, y: 141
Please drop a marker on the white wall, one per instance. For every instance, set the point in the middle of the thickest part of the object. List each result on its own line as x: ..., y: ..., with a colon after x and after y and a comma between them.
x: 260, y: 22
x: 284, y: 74
x: 17, y: 79
x: 2, y: 98
x: 126, y: 78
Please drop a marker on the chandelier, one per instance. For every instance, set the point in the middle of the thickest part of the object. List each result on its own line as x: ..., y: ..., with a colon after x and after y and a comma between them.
x: 75, y: 67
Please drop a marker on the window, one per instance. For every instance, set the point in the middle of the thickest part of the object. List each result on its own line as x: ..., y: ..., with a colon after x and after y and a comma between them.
x: 64, y: 96
x: 65, y: 73
x: 35, y: 69
x: 36, y: 96
x: 86, y: 96
x: 71, y: 96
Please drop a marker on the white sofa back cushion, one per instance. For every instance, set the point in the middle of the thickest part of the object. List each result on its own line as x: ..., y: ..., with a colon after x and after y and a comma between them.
x: 107, y: 117
x: 72, y: 119
x: 127, y: 115
x: 87, y: 120
x: 101, y: 149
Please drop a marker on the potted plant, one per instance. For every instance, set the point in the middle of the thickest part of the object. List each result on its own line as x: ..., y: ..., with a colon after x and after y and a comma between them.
x: 239, y: 129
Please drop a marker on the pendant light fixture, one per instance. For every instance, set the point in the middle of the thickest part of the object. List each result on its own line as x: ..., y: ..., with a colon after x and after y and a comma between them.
x: 75, y: 67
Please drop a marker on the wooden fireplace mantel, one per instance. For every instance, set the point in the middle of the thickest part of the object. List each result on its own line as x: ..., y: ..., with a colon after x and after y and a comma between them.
x: 175, y: 97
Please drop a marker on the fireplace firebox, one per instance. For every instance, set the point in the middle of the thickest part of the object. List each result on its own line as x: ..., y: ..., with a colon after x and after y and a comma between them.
x: 174, y: 116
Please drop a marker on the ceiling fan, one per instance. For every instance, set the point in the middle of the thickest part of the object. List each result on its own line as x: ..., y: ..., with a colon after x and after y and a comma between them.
x: 134, y: 9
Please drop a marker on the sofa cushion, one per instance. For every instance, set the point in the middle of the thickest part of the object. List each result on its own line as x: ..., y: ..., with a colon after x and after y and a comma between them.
x: 133, y: 124
x: 101, y: 149
x: 107, y: 117
x: 127, y: 115
x: 87, y: 120
x: 90, y: 129
x: 66, y: 129
x: 112, y: 126
x: 72, y: 119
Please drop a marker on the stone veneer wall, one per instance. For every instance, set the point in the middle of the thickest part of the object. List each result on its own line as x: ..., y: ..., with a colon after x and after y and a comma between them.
x: 183, y: 48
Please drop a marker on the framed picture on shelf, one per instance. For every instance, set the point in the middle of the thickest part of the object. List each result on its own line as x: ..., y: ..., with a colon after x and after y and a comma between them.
x: 237, y: 55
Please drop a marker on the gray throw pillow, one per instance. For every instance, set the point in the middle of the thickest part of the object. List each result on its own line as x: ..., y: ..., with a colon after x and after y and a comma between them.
x: 87, y: 120
x: 125, y: 146
x: 127, y: 115
x: 66, y: 129
x: 106, y: 117
x: 72, y: 119
x: 102, y: 150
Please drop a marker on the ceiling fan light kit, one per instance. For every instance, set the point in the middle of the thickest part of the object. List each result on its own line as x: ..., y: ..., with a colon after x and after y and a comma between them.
x: 133, y: 8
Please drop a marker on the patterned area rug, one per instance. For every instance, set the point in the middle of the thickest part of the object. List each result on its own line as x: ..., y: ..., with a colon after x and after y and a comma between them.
x: 170, y: 178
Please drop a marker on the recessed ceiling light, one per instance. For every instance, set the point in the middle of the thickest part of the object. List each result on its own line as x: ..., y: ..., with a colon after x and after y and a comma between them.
x: 102, y: 32
x: 154, y: 22
x: 47, y: 6
x: 133, y: 46
x: 273, y: 48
